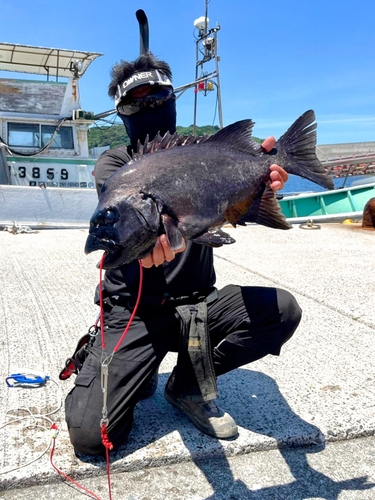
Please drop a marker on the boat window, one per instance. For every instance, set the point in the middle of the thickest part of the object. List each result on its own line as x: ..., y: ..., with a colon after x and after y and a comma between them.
x: 34, y: 135
x: 23, y: 134
x: 63, y: 139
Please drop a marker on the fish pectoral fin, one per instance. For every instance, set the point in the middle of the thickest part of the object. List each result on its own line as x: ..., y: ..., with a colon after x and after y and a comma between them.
x: 266, y: 211
x: 174, y: 235
x: 214, y: 238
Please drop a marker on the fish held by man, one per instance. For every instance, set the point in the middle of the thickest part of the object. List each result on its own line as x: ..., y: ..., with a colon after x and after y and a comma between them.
x: 190, y: 191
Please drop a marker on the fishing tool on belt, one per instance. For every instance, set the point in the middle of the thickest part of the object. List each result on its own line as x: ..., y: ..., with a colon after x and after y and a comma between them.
x: 74, y: 363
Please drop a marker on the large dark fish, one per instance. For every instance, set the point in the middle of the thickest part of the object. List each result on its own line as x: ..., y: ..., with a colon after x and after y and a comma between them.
x: 190, y: 191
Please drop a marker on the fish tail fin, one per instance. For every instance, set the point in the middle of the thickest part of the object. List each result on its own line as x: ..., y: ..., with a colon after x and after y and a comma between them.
x: 296, y: 151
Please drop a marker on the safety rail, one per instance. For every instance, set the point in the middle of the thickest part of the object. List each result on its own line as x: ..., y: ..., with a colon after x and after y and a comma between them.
x: 359, y: 164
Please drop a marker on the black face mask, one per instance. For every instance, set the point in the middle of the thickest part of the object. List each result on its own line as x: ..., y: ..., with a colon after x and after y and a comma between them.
x: 150, y: 121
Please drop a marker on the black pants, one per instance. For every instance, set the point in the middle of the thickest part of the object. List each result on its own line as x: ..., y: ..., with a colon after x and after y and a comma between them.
x: 245, y: 324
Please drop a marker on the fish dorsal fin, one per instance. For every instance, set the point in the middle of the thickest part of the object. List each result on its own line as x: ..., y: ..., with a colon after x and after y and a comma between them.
x: 167, y: 141
x: 238, y: 136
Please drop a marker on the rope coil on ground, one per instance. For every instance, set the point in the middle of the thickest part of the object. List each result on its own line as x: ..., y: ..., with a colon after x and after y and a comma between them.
x: 18, y: 229
x: 309, y: 225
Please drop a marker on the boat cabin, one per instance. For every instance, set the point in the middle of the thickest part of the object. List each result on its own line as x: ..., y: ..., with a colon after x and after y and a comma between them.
x: 43, y: 130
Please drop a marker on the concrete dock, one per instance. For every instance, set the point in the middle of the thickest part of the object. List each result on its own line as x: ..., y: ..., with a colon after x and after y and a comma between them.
x: 306, y: 418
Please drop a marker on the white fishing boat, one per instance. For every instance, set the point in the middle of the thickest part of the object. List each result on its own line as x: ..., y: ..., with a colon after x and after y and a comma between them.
x: 46, y: 173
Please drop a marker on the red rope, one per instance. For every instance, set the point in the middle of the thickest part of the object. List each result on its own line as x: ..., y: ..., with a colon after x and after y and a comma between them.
x: 135, y: 308
x: 104, y: 433
x: 108, y: 446
x: 102, y: 310
x: 105, y: 439
x: 54, y: 433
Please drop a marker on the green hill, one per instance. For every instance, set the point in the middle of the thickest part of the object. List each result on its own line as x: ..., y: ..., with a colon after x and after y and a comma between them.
x: 112, y: 136
x: 115, y: 135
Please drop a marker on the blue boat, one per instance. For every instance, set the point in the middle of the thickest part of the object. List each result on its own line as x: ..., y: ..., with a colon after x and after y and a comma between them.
x: 327, y: 206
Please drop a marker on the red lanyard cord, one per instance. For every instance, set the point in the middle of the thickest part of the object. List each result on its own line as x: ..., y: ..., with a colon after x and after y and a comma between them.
x: 107, y: 444
x: 102, y: 310
x: 106, y: 359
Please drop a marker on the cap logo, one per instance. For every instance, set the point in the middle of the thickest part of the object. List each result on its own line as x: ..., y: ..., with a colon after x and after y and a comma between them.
x: 136, y: 77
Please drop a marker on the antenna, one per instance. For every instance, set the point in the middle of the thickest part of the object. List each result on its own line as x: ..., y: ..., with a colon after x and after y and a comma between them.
x: 206, y: 51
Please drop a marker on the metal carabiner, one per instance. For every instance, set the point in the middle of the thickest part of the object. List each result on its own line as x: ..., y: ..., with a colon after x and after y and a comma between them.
x: 93, y: 330
x: 104, y: 386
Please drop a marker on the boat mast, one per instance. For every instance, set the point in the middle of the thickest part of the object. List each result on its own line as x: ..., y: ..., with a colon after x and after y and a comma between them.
x: 206, y: 51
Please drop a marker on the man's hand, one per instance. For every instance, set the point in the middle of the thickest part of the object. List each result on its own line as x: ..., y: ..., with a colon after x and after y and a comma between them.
x: 161, y: 253
x: 278, y: 175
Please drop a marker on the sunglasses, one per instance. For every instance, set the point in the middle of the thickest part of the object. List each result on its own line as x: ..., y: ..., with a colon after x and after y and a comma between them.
x: 135, y: 104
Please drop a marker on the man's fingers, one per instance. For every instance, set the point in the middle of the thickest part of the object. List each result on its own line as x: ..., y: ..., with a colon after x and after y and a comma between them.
x: 147, y: 261
x: 280, y: 171
x: 278, y: 177
x: 168, y: 253
x: 269, y: 143
x: 161, y: 253
x: 153, y: 259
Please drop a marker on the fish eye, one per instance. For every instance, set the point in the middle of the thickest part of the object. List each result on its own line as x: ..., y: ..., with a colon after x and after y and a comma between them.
x: 110, y: 217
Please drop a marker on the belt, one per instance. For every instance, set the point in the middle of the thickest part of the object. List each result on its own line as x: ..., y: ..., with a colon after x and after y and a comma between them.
x: 193, y: 298
x: 122, y: 303
x: 194, y: 373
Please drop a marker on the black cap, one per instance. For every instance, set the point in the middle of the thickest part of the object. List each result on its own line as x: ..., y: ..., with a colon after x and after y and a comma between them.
x: 151, y: 77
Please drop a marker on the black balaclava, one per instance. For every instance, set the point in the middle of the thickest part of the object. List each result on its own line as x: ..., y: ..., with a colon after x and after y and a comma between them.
x: 146, y: 70
x: 150, y: 121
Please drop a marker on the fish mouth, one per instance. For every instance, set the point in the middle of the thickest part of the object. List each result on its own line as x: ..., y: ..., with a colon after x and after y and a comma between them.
x: 112, y: 250
x: 115, y: 255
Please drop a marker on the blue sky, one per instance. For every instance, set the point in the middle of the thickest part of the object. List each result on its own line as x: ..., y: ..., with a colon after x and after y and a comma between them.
x: 278, y: 58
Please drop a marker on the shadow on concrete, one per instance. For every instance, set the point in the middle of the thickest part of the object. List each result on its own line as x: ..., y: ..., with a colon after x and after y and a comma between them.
x: 308, y: 482
x: 256, y: 403
x: 269, y: 414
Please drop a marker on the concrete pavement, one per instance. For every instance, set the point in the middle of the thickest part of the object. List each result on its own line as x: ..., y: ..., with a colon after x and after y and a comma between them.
x: 319, y: 391
x: 341, y: 471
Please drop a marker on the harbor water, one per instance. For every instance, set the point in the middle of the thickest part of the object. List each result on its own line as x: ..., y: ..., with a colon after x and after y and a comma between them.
x: 297, y: 184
